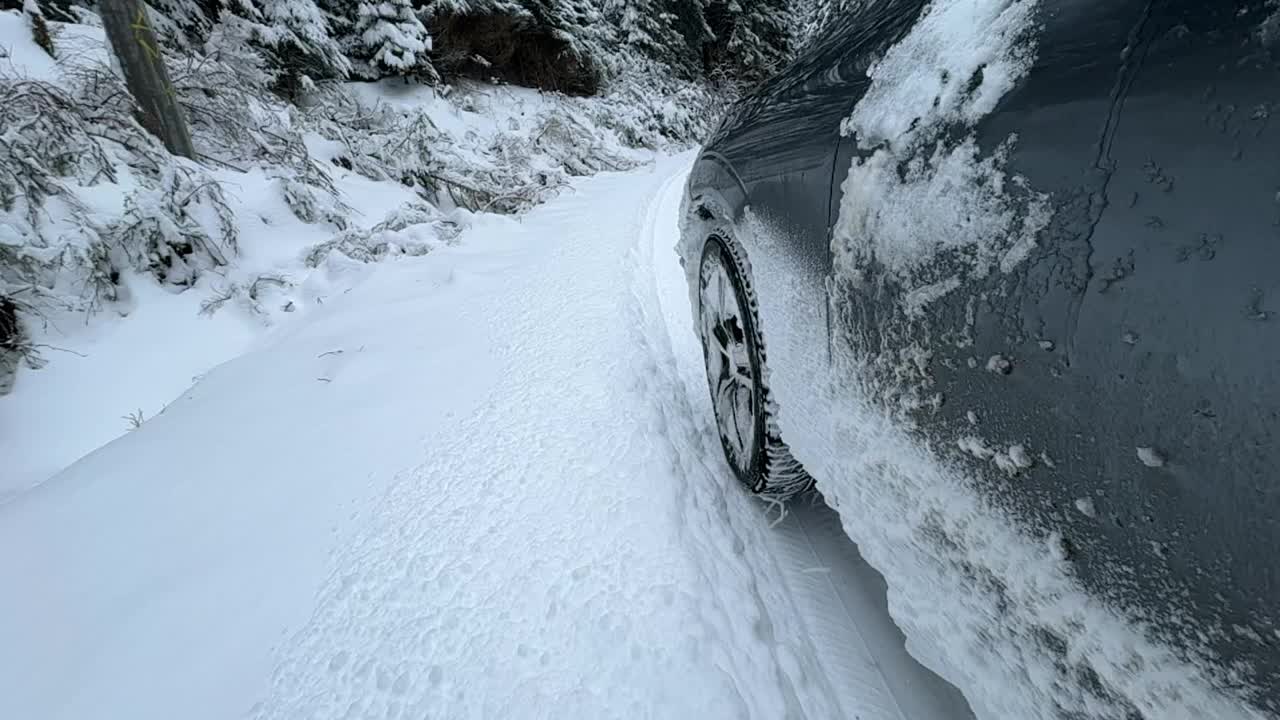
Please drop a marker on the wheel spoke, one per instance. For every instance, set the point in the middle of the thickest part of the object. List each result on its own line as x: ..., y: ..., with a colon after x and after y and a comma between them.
x: 728, y: 359
x: 741, y: 414
x: 721, y: 293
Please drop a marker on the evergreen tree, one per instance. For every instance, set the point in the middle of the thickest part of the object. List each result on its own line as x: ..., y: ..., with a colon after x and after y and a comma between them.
x: 588, y: 43
x: 669, y: 31
x: 298, y: 33
x: 388, y: 39
x: 691, y: 24
x: 186, y: 21
x: 752, y: 37
x: 294, y: 35
x: 340, y: 14
x: 581, y: 24
x: 511, y: 8
x: 645, y: 25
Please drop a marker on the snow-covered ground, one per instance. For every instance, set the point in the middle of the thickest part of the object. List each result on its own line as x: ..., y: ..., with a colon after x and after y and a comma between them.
x: 476, y: 478
x: 476, y: 483
x: 102, y: 373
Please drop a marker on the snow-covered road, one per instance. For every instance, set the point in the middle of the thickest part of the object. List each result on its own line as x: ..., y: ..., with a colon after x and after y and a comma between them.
x: 477, y: 484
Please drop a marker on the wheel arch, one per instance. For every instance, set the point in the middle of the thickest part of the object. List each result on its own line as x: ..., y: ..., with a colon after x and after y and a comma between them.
x: 716, y: 206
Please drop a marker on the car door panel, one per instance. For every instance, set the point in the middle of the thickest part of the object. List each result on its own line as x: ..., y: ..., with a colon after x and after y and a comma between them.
x: 1132, y: 356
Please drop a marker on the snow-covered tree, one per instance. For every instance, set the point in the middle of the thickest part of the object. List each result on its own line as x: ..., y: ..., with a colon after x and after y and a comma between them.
x: 295, y: 37
x: 388, y: 38
x: 580, y: 23
x: 507, y: 8
x: 752, y: 37
x: 645, y: 25
x: 185, y: 21
x: 763, y: 39
x: 303, y: 24
x: 669, y: 31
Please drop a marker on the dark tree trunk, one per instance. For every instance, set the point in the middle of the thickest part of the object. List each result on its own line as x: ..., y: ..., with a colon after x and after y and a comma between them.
x: 135, y: 44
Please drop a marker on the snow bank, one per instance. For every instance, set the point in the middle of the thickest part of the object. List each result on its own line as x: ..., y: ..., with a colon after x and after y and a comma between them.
x: 108, y: 371
x: 158, y: 572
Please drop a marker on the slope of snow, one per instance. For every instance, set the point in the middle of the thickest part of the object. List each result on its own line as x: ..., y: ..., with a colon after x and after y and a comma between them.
x: 105, y: 367
x: 100, y: 375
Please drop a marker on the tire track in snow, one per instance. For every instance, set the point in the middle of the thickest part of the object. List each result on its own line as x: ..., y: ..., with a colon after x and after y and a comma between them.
x: 737, y: 562
x: 819, y: 581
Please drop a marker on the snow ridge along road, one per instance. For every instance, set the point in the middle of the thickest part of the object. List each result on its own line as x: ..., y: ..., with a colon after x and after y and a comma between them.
x: 478, y: 484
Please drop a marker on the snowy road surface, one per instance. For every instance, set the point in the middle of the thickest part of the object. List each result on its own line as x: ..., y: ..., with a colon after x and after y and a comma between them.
x: 478, y: 484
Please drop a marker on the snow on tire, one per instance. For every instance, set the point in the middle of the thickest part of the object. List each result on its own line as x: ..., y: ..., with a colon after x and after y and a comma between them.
x: 734, y: 355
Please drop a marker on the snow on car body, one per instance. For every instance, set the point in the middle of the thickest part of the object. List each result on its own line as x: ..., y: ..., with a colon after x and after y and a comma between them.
x: 1086, y: 192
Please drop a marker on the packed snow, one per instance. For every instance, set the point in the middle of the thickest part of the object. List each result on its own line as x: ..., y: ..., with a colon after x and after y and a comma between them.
x: 959, y: 59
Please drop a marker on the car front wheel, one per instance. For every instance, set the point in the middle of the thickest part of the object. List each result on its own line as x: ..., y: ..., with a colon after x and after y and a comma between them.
x: 734, y: 354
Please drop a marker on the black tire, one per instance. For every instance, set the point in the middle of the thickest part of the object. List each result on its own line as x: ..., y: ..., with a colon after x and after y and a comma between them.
x: 767, y: 468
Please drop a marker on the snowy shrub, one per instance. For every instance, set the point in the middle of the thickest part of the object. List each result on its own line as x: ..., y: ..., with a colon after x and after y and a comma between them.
x: 52, y: 144
x: 311, y: 205
x: 650, y: 109
x: 86, y: 193
x: 14, y: 343
x: 184, y: 23
x: 225, y: 92
x: 507, y: 173
x: 295, y: 38
x: 175, y: 227
x: 411, y: 230
x: 249, y: 295
x: 381, y: 143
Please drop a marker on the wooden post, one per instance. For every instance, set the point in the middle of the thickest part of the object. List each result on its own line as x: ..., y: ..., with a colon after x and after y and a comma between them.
x: 135, y: 44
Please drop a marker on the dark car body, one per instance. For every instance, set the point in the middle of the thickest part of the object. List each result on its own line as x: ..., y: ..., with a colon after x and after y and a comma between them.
x: 1137, y: 349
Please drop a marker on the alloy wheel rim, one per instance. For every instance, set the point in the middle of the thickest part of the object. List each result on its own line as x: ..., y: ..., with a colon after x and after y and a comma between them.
x: 728, y: 359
